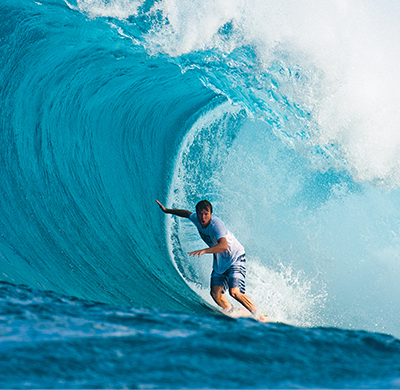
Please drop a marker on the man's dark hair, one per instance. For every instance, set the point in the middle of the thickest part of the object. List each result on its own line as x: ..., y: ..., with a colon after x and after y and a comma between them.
x: 204, y: 205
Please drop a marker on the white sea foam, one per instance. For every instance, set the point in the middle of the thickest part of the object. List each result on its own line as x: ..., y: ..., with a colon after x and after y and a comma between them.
x: 350, y: 48
x: 120, y: 9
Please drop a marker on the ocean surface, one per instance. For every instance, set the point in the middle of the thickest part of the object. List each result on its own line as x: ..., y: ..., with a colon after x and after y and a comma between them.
x: 283, y: 114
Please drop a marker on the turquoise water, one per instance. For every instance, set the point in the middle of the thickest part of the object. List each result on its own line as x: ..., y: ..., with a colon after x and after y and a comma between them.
x: 284, y: 116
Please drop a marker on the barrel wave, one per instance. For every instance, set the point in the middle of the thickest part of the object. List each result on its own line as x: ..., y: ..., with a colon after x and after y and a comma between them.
x: 285, y: 117
x: 89, y: 126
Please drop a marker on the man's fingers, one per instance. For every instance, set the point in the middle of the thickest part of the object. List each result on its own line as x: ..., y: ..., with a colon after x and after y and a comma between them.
x: 161, y: 206
x: 195, y: 253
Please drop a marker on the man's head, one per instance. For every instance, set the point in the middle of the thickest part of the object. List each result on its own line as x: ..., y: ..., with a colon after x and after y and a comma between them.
x: 204, y: 213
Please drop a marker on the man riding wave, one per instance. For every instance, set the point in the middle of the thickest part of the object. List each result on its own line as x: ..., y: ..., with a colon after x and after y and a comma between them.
x: 229, y: 262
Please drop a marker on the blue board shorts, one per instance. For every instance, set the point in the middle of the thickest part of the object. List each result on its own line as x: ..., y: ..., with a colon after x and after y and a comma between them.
x: 233, y: 277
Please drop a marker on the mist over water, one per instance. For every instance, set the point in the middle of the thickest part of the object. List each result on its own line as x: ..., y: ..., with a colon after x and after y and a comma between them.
x: 330, y: 68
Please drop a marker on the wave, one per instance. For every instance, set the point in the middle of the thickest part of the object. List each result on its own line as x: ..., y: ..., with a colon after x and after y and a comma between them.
x: 284, y: 116
x: 83, y: 137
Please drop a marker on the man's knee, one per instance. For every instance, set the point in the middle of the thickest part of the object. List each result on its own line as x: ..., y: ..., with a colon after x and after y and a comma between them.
x: 234, y: 292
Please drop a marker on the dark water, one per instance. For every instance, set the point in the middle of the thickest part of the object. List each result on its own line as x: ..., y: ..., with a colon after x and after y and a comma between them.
x: 53, y: 341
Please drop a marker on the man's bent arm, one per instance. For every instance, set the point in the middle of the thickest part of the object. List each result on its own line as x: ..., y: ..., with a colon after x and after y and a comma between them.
x: 222, y: 246
x: 179, y: 213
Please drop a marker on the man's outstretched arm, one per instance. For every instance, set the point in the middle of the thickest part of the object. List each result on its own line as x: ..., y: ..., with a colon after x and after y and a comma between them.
x: 179, y: 213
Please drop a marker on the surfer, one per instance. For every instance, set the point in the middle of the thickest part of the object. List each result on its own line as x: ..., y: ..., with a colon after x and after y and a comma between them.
x: 229, y: 265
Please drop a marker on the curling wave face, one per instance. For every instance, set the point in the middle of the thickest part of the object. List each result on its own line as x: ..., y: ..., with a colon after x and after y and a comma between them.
x: 89, y: 125
x: 284, y: 117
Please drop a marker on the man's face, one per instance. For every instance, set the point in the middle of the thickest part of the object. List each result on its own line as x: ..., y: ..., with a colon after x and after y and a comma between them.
x: 204, y: 217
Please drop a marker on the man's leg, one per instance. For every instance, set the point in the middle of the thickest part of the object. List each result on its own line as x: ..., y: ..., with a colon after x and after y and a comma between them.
x: 243, y: 299
x: 219, y: 284
x: 246, y: 302
x: 219, y: 297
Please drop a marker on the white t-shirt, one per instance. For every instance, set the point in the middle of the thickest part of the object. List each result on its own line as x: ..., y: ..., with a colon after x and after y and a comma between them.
x: 211, y: 234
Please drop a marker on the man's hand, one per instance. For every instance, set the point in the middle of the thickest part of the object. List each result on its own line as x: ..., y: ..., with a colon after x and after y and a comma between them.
x: 197, y: 253
x: 161, y: 206
x: 222, y: 246
x: 177, y: 212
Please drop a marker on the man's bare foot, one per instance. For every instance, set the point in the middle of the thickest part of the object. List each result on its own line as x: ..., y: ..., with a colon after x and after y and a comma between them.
x: 262, y: 318
x: 257, y: 315
x: 235, y: 312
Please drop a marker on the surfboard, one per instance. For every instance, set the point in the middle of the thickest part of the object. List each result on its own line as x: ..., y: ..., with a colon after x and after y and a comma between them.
x: 271, y: 319
x: 244, y: 313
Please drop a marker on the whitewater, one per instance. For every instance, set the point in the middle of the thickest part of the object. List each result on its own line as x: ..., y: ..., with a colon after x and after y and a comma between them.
x: 283, y: 114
